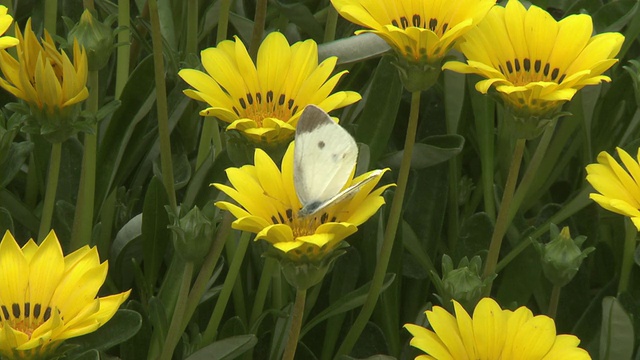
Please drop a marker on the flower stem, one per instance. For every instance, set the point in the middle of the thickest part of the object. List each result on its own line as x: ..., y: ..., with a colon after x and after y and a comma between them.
x: 258, y: 27
x: 296, y: 324
x: 161, y: 103
x: 330, y: 25
x: 501, y: 222
x: 50, y: 192
x: 553, y: 302
x: 630, y: 233
x: 83, y: 218
x: 223, y: 20
x: 175, y: 330
x: 50, y: 15
x: 390, y: 232
x: 31, y: 188
x: 192, y: 27
x: 209, y: 131
x: 211, y: 331
x: 124, y: 48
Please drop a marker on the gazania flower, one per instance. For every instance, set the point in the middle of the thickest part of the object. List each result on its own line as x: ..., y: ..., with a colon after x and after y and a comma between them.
x: 268, y: 206
x: 264, y: 101
x: 5, y: 22
x: 492, y: 334
x: 421, y: 31
x: 43, y: 76
x: 618, y: 188
x: 534, y: 62
x: 46, y: 297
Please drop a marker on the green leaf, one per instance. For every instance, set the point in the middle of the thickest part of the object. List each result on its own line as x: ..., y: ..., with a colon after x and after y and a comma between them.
x: 87, y: 355
x: 614, y: 16
x: 199, y: 190
x: 229, y: 348
x: 354, y: 49
x: 155, y: 234
x: 299, y: 14
x: 474, y: 237
x: 122, y: 326
x: 6, y: 222
x: 430, y: 151
x: 616, y: 337
x: 18, y: 153
x: 520, y: 278
x: 20, y: 211
x: 382, y: 100
x: 346, y: 303
x: 126, y: 246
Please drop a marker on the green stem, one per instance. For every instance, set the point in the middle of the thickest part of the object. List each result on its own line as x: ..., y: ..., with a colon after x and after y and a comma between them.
x: 630, y: 233
x: 330, y: 25
x: 50, y: 15
x: 395, y: 214
x: 223, y: 20
x: 192, y: 27
x: 211, y: 331
x: 209, y: 127
x: 161, y: 102
x: 296, y: 324
x: 208, y: 266
x: 270, y: 266
x: 554, y: 301
x: 83, y: 218
x: 50, y: 192
x: 239, y: 306
x: 501, y: 223
x: 175, y: 330
x: 107, y: 216
x: 452, y: 205
x: 532, y: 170
x: 258, y: 27
x: 124, y: 48
x: 31, y: 189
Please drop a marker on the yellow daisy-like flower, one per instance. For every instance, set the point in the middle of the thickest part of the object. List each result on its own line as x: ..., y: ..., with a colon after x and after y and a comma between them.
x: 492, y: 334
x: 43, y: 76
x: 534, y: 62
x: 619, y: 188
x: 269, y: 207
x: 421, y: 31
x: 5, y: 22
x: 264, y: 101
x: 46, y: 297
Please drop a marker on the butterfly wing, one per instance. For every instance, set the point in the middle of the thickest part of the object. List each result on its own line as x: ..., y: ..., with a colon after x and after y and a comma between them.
x: 324, y: 157
x: 347, y: 193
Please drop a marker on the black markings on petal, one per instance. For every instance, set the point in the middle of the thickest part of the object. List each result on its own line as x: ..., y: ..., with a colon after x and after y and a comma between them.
x: 394, y: 22
x: 432, y: 24
x: 5, y: 312
x: 321, y: 144
x: 561, y: 78
x: 509, y: 67
x: 281, y: 218
x: 290, y: 103
x: 27, y: 309
x: 15, y: 308
x: 546, y: 69
x: 527, y: 64
x: 501, y: 69
x: 236, y: 111
x: 324, y: 218
x: 259, y: 98
x: 36, y: 310
x: 295, y: 110
x: 404, y: 22
x: 289, y: 214
x: 250, y: 99
x: 333, y: 219
x: 517, y: 63
x: 269, y: 96
x: 47, y: 314
x: 555, y: 73
x: 444, y: 27
x: 416, y: 20
x: 281, y: 100
x: 274, y: 219
x: 243, y: 103
x: 537, y: 65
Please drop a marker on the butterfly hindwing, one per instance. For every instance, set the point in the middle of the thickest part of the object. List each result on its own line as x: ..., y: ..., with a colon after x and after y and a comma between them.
x: 324, y: 157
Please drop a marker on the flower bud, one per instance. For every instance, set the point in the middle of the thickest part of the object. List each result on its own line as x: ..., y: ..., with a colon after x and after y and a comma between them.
x: 417, y: 76
x: 194, y: 233
x: 304, y: 274
x: 96, y: 37
x: 463, y: 284
x: 562, y: 256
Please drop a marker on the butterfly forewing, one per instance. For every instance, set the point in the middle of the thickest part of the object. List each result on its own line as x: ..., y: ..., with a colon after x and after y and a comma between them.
x: 324, y: 157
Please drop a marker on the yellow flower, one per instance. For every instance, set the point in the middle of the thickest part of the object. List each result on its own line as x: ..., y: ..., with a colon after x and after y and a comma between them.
x: 421, y: 31
x: 264, y: 101
x: 534, y: 62
x: 619, y: 188
x: 492, y: 334
x: 5, y: 22
x: 46, y: 297
x: 269, y: 207
x: 42, y: 76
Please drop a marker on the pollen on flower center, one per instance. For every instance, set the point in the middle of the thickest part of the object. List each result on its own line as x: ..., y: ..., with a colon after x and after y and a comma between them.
x: 258, y: 107
x: 302, y: 225
x: 527, y: 71
x: 22, y: 318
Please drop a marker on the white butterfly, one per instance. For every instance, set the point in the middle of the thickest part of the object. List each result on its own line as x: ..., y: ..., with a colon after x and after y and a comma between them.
x: 324, y: 157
